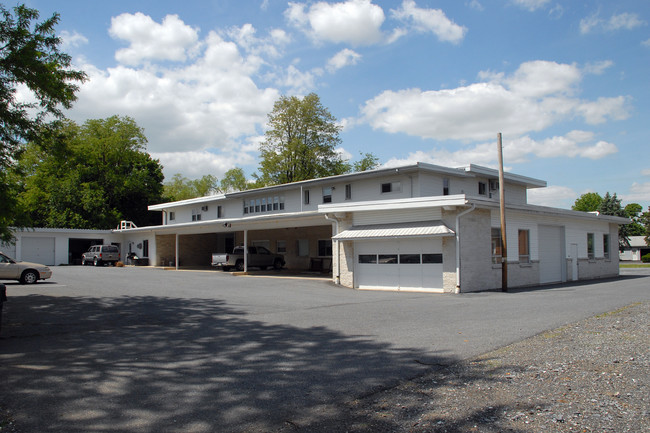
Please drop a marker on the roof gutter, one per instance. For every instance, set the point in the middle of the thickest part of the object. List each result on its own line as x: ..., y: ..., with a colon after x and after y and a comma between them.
x: 465, y: 212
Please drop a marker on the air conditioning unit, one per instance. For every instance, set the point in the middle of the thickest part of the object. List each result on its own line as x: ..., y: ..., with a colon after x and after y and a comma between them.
x: 494, y: 184
x: 204, y: 208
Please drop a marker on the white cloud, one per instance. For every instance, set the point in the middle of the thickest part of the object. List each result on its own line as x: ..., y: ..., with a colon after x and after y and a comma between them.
x: 211, y: 103
x: 357, y: 22
x: 475, y: 4
x: 639, y: 193
x: 343, y: 58
x: 171, y: 40
x: 195, y: 164
x: 516, y: 151
x: 646, y: 43
x: 598, y: 68
x: 646, y: 172
x: 536, y: 96
x: 270, y: 46
x: 430, y: 21
x: 623, y: 21
x: 553, y: 196
x: 72, y: 40
x: 531, y: 5
x: 299, y: 82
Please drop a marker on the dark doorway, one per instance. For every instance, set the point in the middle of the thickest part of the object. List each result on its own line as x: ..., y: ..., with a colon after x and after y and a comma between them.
x: 76, y: 247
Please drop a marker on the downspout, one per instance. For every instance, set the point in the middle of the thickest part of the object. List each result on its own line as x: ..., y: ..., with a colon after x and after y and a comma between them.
x: 465, y: 212
x: 337, y: 278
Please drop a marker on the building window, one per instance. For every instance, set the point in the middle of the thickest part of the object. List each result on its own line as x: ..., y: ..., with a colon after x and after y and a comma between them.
x: 497, y: 255
x: 590, y: 246
x: 524, y: 246
x: 388, y: 259
x: 251, y: 207
x: 445, y: 186
x: 606, y: 246
x: 281, y: 203
x: 391, y: 187
x: 172, y: 216
x: 327, y: 194
x: 219, y: 212
x: 482, y: 188
x: 264, y: 204
x: 368, y: 258
x: 431, y: 258
x: 306, y: 196
x: 348, y: 191
x: 303, y: 247
x: 276, y: 203
x: 245, y: 207
x: 145, y: 248
x: 196, y: 215
x: 258, y: 204
x: 409, y: 259
x: 325, y: 248
x: 281, y: 247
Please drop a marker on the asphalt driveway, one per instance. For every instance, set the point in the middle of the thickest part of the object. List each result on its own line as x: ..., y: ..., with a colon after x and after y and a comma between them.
x: 147, y: 350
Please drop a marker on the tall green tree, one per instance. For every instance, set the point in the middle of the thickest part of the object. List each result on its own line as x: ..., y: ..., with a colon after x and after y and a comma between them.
x: 644, y: 219
x: 234, y: 180
x: 182, y: 188
x: 90, y: 176
x: 588, y: 202
x: 367, y: 162
x: 300, y: 142
x: 29, y: 56
x: 633, y: 211
x: 611, y: 205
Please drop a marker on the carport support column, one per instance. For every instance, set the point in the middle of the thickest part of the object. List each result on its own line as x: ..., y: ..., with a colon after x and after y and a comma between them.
x: 177, y: 248
x: 245, y: 250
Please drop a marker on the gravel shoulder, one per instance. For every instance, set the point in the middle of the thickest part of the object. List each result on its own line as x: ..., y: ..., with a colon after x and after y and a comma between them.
x: 593, y: 375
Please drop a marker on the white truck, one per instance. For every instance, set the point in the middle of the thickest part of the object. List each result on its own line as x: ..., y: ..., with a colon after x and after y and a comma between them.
x: 258, y: 257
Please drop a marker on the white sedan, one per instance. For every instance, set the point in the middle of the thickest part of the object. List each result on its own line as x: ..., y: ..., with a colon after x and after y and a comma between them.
x: 25, y: 272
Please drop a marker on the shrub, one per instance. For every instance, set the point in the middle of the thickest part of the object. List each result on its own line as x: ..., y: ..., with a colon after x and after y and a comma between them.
x: 646, y: 258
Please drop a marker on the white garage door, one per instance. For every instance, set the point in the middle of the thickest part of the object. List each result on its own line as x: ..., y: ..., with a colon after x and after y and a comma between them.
x: 551, y: 254
x: 38, y: 250
x: 409, y: 264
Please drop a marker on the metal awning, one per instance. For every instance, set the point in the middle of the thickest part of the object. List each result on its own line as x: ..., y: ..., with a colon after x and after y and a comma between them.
x: 395, y: 230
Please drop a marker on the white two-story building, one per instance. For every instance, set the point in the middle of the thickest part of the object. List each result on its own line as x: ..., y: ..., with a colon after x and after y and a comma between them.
x: 417, y: 227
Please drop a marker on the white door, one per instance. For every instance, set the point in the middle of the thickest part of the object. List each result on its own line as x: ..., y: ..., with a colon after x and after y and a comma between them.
x: 551, y: 254
x: 407, y: 264
x: 38, y: 250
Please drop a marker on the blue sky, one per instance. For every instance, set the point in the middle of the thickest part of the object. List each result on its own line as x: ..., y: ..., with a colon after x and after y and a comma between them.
x: 565, y: 82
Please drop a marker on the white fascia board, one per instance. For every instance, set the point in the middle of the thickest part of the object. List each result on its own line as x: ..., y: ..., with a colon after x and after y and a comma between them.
x: 530, y: 182
x: 59, y: 230
x: 191, y: 201
x: 550, y: 211
x: 402, y: 203
x: 240, y: 222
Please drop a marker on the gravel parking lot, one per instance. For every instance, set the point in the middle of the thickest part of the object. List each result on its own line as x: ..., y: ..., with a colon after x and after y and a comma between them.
x: 144, y: 350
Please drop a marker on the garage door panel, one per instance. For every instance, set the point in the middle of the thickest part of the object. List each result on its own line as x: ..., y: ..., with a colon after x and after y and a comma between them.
x: 38, y: 250
x: 412, y: 273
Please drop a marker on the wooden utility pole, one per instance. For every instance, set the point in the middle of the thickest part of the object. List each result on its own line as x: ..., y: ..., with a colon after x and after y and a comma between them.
x: 502, y: 202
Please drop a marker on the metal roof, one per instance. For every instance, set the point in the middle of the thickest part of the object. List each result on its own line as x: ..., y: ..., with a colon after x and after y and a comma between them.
x: 395, y: 230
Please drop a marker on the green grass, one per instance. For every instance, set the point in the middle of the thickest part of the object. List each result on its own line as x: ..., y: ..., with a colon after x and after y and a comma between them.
x: 634, y: 265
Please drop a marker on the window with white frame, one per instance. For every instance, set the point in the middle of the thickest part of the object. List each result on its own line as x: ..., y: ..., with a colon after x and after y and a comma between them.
x: 327, y: 194
x: 497, y: 254
x: 281, y: 247
x: 482, y: 188
x: 606, y: 246
x: 445, y: 186
x: 306, y: 196
x: 348, y: 191
x: 391, y: 187
x: 172, y: 216
x: 219, y: 211
x: 590, y: 246
x: 196, y: 214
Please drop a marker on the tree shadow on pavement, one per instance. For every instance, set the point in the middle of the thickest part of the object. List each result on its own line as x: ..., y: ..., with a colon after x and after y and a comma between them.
x: 151, y: 364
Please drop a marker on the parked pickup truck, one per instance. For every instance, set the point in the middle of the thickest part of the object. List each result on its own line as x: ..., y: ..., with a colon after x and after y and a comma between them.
x: 258, y: 257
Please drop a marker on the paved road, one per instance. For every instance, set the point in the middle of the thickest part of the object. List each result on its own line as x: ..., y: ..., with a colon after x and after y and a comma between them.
x: 146, y: 350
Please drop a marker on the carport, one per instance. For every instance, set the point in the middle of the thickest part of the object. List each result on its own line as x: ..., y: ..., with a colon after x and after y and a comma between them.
x: 304, y: 240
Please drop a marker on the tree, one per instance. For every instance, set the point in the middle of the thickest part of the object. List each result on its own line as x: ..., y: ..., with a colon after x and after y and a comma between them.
x: 182, y: 188
x: 611, y: 205
x: 368, y: 162
x: 588, y: 202
x: 635, y: 228
x: 90, y: 176
x: 234, y: 180
x: 644, y: 219
x: 300, y: 142
x: 30, y: 57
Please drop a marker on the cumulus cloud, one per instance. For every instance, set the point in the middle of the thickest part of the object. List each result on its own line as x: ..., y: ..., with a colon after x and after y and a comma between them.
x: 639, y: 193
x: 552, y: 196
x: 357, y: 22
x: 72, y: 40
x: 537, y: 95
x: 212, y: 102
x: 269, y: 46
x: 623, y: 21
x: 531, y: 5
x: 343, y: 58
x: 195, y: 164
x: 170, y: 40
x: 429, y: 21
x: 575, y: 144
